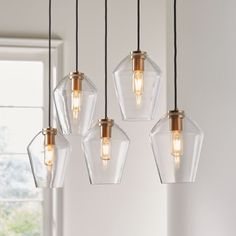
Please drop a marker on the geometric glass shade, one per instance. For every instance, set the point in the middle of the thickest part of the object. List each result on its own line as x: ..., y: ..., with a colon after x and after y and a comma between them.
x: 137, y: 82
x: 49, y: 153
x: 176, y: 143
x: 105, y: 155
x: 75, y: 99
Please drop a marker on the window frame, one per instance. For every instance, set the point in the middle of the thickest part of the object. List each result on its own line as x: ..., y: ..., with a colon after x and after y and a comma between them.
x: 37, y: 50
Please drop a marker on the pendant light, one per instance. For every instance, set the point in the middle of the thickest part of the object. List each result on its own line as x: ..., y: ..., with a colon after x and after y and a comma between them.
x: 176, y: 139
x: 137, y: 82
x: 49, y: 151
x: 75, y: 98
x: 105, y: 145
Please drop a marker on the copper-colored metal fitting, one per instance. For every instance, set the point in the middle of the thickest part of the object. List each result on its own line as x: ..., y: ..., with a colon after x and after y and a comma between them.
x: 49, y: 134
x: 138, y: 60
x: 76, y: 78
x: 176, y: 120
x: 106, y: 125
x: 76, y: 74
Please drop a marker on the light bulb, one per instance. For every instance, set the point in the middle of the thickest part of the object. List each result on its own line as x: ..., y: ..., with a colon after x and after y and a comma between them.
x: 138, y: 85
x: 49, y: 155
x: 177, y: 146
x: 76, y: 100
x: 105, y: 150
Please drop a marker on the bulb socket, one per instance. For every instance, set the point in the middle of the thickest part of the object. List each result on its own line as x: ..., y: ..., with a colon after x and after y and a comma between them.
x: 176, y: 120
x: 76, y: 80
x: 49, y: 136
x: 106, y: 125
x: 138, y: 58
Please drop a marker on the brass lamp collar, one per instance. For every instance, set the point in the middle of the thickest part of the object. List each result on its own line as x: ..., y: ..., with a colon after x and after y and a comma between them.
x: 76, y: 75
x: 138, y: 54
x: 176, y: 113
x: 49, y: 136
x: 49, y: 130
x: 106, y: 125
x: 138, y: 58
x: 76, y: 78
x: 176, y: 120
x: 106, y: 121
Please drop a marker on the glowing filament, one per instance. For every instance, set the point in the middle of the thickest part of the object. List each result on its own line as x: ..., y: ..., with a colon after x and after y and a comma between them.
x: 177, y: 146
x: 105, y: 150
x: 138, y: 85
x: 49, y: 155
x: 76, y: 98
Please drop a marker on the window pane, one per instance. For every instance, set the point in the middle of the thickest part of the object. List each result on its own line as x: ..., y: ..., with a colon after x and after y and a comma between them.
x: 21, y: 83
x: 20, y: 219
x: 16, y: 178
x: 17, y: 128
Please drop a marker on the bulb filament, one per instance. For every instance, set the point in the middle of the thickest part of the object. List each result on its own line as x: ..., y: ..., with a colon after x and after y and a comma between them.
x: 105, y: 150
x: 49, y: 155
x: 76, y: 98
x: 138, y: 85
x: 177, y: 146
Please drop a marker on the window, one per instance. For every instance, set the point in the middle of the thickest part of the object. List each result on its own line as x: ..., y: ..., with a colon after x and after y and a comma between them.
x: 24, y: 210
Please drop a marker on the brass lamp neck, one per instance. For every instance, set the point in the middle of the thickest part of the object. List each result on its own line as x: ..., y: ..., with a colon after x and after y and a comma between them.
x: 106, y: 127
x: 76, y: 80
x: 176, y: 120
x: 138, y: 58
x: 49, y: 136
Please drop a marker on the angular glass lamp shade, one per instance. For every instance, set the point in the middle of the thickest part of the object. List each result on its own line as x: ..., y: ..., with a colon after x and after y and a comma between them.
x: 137, y: 81
x: 75, y: 99
x: 105, y: 147
x: 176, y: 142
x: 49, y: 153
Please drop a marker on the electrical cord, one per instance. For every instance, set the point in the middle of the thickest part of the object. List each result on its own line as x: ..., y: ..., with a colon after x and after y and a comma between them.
x: 105, y: 59
x: 77, y: 35
x: 175, y: 57
x: 49, y: 63
x: 138, y: 25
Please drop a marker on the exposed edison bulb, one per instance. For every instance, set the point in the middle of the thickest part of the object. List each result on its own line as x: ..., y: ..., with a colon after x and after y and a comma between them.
x: 49, y: 155
x: 138, y: 85
x: 76, y: 98
x: 177, y: 146
x: 105, y: 150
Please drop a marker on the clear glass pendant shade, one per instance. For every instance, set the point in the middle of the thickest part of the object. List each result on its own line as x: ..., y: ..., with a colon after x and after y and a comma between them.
x: 75, y: 99
x: 105, y: 147
x: 49, y: 153
x: 176, y: 142
x: 137, y: 81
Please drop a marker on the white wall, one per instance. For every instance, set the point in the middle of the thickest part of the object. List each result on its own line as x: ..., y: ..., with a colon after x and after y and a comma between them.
x: 207, y: 56
x: 137, y: 206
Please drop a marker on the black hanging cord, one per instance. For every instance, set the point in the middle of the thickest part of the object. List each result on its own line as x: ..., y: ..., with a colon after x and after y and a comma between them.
x: 105, y: 59
x: 49, y: 62
x: 175, y: 57
x: 77, y: 35
x: 138, y: 25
